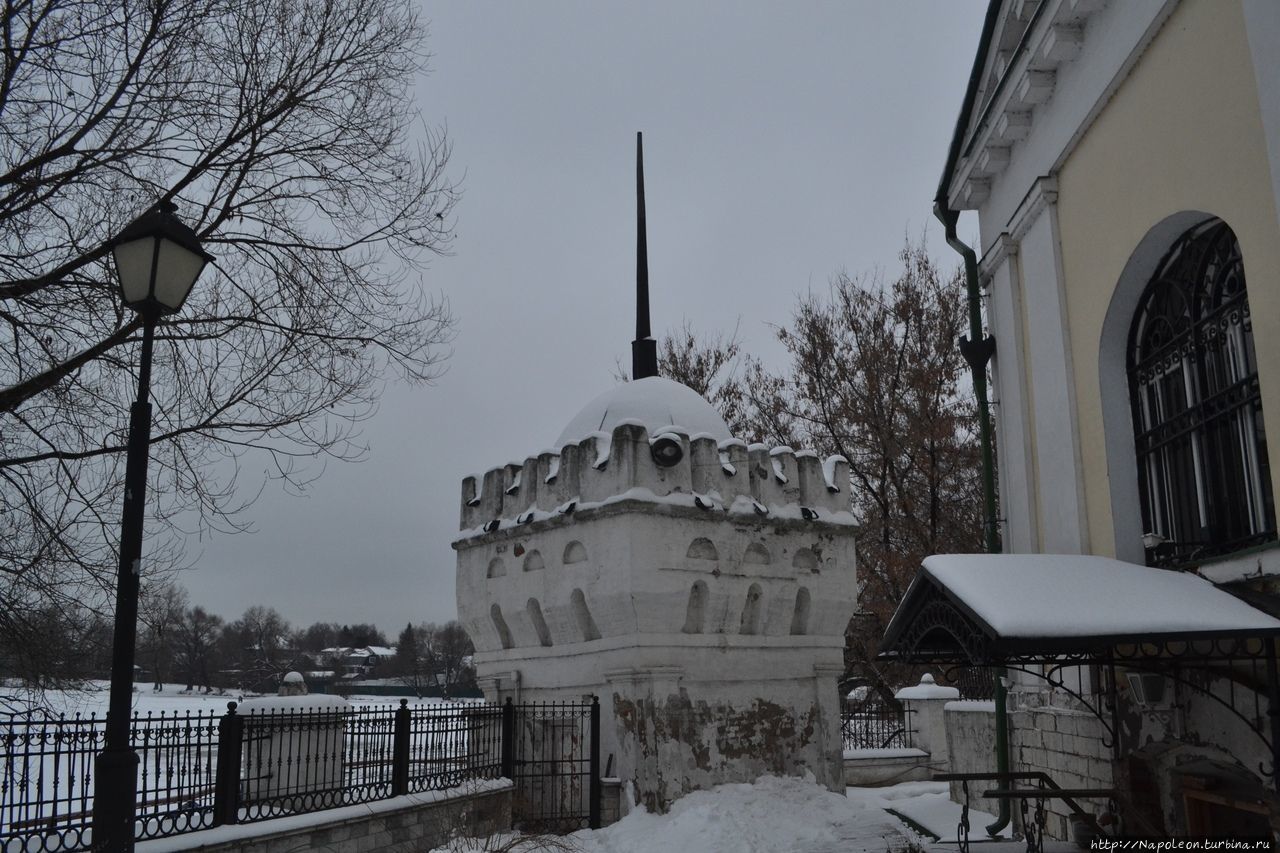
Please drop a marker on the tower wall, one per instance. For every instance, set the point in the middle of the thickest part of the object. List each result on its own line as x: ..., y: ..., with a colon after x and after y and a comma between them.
x: 704, y: 603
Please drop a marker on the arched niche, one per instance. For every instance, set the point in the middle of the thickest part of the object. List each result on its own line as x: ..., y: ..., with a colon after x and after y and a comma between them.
x: 497, y: 568
x: 800, y: 616
x: 750, y: 623
x: 500, y: 625
x: 574, y: 553
x: 805, y: 560
x: 582, y: 615
x: 539, y: 624
x: 696, y: 613
x: 702, y: 549
x: 757, y: 555
x: 533, y: 562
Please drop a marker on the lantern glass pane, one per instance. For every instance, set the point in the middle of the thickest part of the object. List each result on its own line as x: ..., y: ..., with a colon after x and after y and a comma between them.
x: 133, y: 264
x: 177, y: 270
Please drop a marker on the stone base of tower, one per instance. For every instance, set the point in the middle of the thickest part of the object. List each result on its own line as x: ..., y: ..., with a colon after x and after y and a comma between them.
x: 678, y: 735
x: 669, y: 730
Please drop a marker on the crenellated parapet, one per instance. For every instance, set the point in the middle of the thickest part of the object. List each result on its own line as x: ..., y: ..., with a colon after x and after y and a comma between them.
x: 727, y: 476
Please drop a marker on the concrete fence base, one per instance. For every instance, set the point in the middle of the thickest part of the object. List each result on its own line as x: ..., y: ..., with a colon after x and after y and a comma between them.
x: 407, y: 824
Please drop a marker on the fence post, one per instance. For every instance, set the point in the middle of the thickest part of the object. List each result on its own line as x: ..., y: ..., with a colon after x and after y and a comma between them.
x: 594, y: 819
x: 400, y: 751
x: 226, y: 785
x: 509, y: 740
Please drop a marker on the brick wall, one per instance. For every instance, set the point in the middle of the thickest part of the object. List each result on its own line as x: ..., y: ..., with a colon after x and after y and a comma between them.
x: 1066, y: 744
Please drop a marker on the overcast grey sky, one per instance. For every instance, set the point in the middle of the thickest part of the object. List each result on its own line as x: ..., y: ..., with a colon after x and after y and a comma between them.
x: 783, y: 142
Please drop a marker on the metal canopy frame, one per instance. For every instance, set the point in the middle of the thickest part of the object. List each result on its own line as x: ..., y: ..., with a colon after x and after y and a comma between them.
x: 935, y: 626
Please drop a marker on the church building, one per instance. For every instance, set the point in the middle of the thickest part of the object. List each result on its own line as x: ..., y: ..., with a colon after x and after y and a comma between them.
x: 1123, y: 161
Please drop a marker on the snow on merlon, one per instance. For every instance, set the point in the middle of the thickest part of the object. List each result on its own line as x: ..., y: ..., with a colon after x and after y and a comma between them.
x: 600, y: 465
x: 1061, y: 595
x: 655, y: 402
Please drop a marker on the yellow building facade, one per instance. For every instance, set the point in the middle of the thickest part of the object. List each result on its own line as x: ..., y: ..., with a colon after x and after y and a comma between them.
x: 1123, y: 161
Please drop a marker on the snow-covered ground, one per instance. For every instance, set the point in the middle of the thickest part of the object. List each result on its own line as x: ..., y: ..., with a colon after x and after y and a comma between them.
x: 174, y: 698
x: 772, y: 814
x: 782, y: 815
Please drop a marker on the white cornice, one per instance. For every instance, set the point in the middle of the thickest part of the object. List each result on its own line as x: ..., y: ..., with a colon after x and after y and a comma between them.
x: 1003, y: 247
x: 1043, y: 193
x: 1055, y: 38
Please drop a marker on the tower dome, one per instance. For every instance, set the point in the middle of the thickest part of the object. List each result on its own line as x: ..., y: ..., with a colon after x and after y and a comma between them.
x: 656, y: 402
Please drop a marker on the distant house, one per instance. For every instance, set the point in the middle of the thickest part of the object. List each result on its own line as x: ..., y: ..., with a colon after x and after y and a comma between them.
x: 1123, y: 160
x: 360, y: 662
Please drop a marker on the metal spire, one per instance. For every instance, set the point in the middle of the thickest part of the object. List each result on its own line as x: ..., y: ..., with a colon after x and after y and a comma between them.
x: 644, y: 350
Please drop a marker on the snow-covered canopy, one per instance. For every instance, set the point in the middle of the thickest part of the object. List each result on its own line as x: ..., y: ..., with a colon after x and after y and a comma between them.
x: 654, y: 401
x: 1032, y: 603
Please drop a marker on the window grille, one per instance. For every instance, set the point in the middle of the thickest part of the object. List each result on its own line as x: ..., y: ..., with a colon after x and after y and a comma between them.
x: 1197, y: 411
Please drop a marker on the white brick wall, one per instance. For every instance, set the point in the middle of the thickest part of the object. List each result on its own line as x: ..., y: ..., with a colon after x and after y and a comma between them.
x: 1067, y: 745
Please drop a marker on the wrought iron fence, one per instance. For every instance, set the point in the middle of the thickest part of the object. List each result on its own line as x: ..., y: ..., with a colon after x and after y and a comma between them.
x: 46, y: 776
x: 875, y: 725
x: 197, y: 770
x: 973, y: 682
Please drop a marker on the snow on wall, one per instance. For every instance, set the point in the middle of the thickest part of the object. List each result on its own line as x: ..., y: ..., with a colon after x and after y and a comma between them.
x: 718, y: 475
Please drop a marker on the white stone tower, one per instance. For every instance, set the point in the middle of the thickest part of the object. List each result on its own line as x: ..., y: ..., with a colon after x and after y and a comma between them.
x: 698, y: 586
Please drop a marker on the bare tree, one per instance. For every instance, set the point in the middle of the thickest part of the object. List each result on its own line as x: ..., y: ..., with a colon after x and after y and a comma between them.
x: 317, y: 637
x: 453, y: 650
x: 285, y: 132
x: 161, y: 607
x: 196, y: 655
x: 258, y: 642
x: 875, y: 376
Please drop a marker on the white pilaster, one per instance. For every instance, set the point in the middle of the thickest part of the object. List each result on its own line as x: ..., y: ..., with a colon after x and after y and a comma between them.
x: 1058, y: 482
x: 1015, y: 466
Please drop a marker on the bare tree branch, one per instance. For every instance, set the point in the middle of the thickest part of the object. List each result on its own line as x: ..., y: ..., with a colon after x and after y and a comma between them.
x: 286, y: 135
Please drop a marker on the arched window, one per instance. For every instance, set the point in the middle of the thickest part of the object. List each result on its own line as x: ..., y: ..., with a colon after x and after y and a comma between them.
x: 497, y: 568
x: 805, y: 560
x: 800, y: 616
x: 574, y: 553
x: 702, y: 549
x: 1193, y: 381
x: 751, y: 611
x: 582, y: 614
x: 533, y: 562
x: 696, y: 613
x: 500, y: 625
x: 539, y: 624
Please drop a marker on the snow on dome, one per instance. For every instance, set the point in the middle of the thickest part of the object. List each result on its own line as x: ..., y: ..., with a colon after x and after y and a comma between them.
x: 654, y: 401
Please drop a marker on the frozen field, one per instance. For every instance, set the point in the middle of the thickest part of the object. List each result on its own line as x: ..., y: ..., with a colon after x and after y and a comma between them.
x: 174, y: 698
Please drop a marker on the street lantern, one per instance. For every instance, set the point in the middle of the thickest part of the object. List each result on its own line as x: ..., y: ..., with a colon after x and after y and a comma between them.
x: 158, y: 260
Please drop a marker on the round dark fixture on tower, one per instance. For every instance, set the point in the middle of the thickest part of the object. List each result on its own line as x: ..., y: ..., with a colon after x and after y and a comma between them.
x: 667, y: 451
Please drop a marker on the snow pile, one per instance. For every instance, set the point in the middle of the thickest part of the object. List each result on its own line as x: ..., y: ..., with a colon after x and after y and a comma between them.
x: 772, y: 814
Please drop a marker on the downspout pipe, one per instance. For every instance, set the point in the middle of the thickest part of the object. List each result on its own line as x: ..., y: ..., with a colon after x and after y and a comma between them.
x: 977, y: 349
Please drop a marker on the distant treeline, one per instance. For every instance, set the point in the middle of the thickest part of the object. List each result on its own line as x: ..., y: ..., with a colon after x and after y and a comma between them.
x: 189, y: 645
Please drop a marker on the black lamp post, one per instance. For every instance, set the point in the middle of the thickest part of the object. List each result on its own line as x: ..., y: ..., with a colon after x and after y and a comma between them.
x: 158, y: 260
